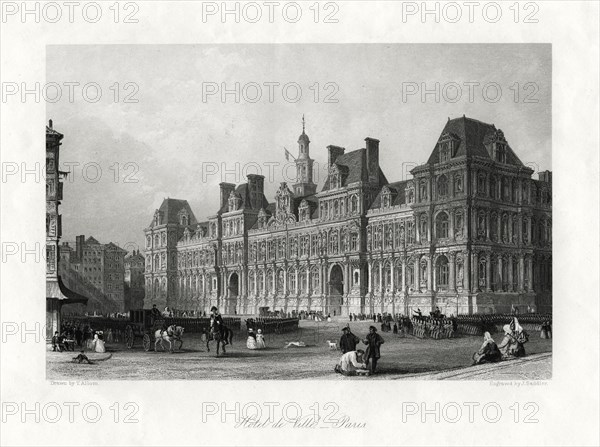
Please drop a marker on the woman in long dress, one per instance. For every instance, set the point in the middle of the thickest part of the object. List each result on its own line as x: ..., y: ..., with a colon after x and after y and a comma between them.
x: 260, y: 340
x: 98, y: 344
x: 251, y: 342
x: 488, y: 352
x: 514, y: 340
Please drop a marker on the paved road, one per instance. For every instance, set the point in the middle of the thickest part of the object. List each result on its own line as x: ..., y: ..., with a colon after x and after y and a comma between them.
x: 534, y: 367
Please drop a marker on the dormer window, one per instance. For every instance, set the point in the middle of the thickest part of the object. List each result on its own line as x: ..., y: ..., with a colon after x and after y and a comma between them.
x: 500, y: 153
x: 447, y: 145
x: 444, y: 153
x: 335, y: 177
x: 184, y: 218
x: 386, y: 196
x: 234, y: 201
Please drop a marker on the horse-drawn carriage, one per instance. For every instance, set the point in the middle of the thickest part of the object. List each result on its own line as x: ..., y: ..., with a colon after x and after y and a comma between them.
x: 142, y: 324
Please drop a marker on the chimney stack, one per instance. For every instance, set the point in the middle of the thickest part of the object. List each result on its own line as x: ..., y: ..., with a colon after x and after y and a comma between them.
x: 79, y: 240
x: 334, y: 153
x: 226, y: 189
x: 545, y: 176
x: 372, y: 159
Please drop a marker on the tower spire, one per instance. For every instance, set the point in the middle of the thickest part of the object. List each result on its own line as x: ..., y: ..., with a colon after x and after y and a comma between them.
x: 303, y: 123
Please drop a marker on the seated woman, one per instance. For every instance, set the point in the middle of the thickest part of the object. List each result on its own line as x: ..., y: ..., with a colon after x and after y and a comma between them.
x: 488, y: 352
x: 351, y: 363
x: 514, y: 339
x: 260, y: 340
x: 251, y: 342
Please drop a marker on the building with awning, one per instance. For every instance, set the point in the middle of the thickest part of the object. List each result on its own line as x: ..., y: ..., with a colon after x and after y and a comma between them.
x: 57, y: 294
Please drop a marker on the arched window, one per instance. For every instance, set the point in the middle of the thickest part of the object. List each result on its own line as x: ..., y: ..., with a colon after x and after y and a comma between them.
x: 354, y: 202
x: 442, y: 225
x: 442, y: 272
x: 442, y: 186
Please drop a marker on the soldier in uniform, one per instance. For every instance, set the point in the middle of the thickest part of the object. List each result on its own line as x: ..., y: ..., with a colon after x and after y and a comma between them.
x: 216, y: 323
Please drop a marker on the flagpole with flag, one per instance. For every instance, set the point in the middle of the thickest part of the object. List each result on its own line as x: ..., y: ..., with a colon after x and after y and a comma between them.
x: 288, y: 154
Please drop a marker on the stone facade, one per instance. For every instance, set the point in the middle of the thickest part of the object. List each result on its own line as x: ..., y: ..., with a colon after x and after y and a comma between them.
x: 102, y: 265
x: 470, y: 232
x: 57, y: 294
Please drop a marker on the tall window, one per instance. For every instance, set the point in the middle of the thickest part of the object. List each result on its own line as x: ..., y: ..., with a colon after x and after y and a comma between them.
x: 387, y: 276
x: 333, y: 243
x: 376, y: 277
x: 410, y: 275
x: 442, y: 226
x: 482, y: 272
x: 354, y: 202
x: 292, y: 281
x: 442, y: 272
x: 354, y: 242
x: 314, y: 280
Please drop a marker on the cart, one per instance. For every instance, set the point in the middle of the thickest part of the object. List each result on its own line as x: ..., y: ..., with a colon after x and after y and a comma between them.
x: 142, y: 325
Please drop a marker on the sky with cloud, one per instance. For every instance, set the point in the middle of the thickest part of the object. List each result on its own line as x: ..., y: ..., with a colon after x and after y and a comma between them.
x: 172, y: 140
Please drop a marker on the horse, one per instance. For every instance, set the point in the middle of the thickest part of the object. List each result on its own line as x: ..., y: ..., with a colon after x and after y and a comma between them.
x: 172, y: 334
x: 225, y: 339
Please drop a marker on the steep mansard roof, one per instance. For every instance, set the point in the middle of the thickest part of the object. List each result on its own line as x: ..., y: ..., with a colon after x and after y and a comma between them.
x: 170, y: 209
x: 472, y: 136
x: 353, y: 166
x: 244, y: 193
x: 398, y: 194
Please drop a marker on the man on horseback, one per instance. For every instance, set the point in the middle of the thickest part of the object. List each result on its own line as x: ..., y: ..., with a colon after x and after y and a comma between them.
x: 216, y: 323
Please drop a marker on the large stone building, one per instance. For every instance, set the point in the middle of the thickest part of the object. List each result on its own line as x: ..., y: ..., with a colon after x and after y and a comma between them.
x: 102, y: 265
x: 470, y: 232
x: 57, y: 294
